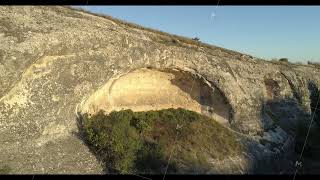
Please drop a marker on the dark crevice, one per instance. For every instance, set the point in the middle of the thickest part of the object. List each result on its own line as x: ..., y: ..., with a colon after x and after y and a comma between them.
x: 295, y: 92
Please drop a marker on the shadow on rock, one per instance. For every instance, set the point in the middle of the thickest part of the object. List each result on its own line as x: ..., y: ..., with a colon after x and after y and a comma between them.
x: 81, y: 134
x: 286, y: 123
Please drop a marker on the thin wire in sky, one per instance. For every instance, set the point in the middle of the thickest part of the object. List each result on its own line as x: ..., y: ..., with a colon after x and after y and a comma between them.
x: 213, y: 14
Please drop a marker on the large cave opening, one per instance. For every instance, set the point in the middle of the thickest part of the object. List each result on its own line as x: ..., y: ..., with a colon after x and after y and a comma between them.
x: 148, y: 89
x: 137, y: 119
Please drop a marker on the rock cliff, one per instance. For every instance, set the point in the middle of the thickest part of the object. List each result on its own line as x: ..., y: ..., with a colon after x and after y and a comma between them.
x: 56, y: 62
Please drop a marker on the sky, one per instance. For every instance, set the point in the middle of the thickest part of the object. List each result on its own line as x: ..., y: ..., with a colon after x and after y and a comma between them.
x: 267, y: 32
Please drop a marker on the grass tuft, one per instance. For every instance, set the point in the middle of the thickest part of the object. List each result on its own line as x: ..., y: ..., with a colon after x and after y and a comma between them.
x: 5, y: 169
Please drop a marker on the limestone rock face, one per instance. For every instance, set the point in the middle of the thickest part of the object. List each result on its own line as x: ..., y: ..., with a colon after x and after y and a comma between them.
x: 55, y: 60
x: 149, y: 89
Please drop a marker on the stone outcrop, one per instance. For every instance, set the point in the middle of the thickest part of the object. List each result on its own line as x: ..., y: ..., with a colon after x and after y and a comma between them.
x: 54, y: 59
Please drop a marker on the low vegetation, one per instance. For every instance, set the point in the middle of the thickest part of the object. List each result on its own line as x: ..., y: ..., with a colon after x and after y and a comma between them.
x: 315, y: 64
x: 5, y: 169
x: 314, y: 101
x: 310, y: 140
x: 142, y: 142
x: 284, y: 60
x: 163, y: 37
x: 273, y: 117
x: 310, y: 155
x: 181, y: 41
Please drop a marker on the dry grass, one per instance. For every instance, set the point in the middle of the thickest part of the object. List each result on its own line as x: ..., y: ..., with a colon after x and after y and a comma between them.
x: 291, y: 64
x: 163, y: 37
x: 181, y: 41
x: 314, y: 64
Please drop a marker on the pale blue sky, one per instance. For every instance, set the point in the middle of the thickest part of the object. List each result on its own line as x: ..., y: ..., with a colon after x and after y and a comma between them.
x: 262, y: 31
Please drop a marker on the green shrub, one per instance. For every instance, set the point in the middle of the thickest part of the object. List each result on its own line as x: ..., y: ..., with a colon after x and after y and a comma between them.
x: 141, y: 142
x: 274, y: 118
x: 312, y: 146
x: 314, y: 63
x: 151, y: 158
x: 196, y: 39
x: 5, y: 169
x: 283, y: 60
x: 113, y: 135
x: 142, y: 121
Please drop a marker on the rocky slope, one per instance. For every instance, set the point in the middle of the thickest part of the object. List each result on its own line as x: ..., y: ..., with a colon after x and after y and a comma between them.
x: 52, y: 59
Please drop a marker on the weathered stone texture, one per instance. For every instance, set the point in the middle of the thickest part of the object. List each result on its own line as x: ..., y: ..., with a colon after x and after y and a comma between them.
x: 53, y: 58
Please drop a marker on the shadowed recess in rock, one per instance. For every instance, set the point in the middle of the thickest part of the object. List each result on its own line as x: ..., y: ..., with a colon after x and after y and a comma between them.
x: 150, y: 89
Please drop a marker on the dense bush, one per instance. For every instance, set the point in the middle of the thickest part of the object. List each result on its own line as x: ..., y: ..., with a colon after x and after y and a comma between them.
x: 313, y: 63
x: 114, y: 136
x: 283, y: 60
x: 141, y: 142
x: 151, y: 158
x: 196, y: 39
x: 314, y: 104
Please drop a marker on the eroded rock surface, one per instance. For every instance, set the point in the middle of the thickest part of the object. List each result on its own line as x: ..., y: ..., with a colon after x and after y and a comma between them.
x: 149, y: 89
x: 52, y: 59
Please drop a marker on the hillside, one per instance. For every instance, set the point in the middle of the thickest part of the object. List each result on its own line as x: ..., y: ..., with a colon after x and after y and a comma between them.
x: 59, y: 63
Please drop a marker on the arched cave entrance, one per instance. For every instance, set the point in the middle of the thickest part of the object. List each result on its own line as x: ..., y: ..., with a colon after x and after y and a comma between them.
x: 148, y: 89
